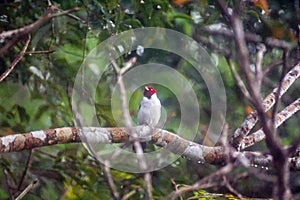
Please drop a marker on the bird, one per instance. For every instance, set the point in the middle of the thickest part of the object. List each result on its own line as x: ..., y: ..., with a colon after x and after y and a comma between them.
x: 149, y: 110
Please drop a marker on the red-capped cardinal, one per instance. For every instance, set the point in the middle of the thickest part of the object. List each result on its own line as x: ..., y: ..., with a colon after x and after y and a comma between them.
x: 150, y: 109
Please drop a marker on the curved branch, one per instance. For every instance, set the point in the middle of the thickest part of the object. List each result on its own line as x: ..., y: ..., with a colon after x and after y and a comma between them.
x: 16, y: 60
x: 279, y: 119
x: 170, y: 141
x: 162, y: 138
x: 242, y: 131
x: 17, y: 34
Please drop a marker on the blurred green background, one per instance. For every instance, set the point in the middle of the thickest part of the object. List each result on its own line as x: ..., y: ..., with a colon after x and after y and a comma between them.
x: 36, y: 95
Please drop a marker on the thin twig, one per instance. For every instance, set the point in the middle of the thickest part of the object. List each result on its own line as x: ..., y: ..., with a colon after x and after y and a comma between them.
x: 122, y: 90
x: 223, y: 8
x: 8, y: 184
x: 281, y: 117
x: 243, y: 54
x: 281, y: 187
x: 258, y: 66
x: 238, y: 79
x: 249, y: 37
x: 16, y: 60
x: 148, y: 184
x: 19, y: 33
x: 128, y: 65
x: 250, y: 121
x: 211, y: 45
x: 9, y: 44
x: 40, y: 52
x: 175, y: 187
x: 69, y: 14
x: 283, y: 73
x: 225, y: 144
x: 292, y: 149
x: 298, y: 47
x: 271, y: 66
x: 86, y: 30
x: 130, y: 194
x: 127, y: 120
x: 28, y: 165
x: 27, y: 189
x: 230, y: 188
x: 107, y: 173
x: 203, y: 183
x: 110, y: 181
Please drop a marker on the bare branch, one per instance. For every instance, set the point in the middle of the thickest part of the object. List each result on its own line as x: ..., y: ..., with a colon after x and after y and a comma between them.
x: 7, y: 175
x: 28, y: 165
x: 69, y: 13
x: 298, y: 47
x: 162, y: 138
x: 27, y: 189
x: 281, y: 188
x: 249, y: 37
x: 111, y: 184
x: 224, y: 9
x: 238, y: 79
x: 21, y: 32
x: 148, y: 184
x: 40, y: 52
x: 243, y: 55
x: 129, y: 64
x: 205, y: 182
x: 283, y: 72
x: 281, y: 117
x: 230, y: 188
x: 175, y: 187
x: 258, y: 66
x: 250, y: 121
x: 122, y: 90
x: 170, y: 141
x: 127, y: 119
x: 198, y: 37
x: 131, y: 193
x: 278, y: 43
x: 16, y: 60
x: 272, y: 65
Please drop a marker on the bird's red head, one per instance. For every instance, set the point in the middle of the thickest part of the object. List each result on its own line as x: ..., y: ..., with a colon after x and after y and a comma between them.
x: 149, y: 91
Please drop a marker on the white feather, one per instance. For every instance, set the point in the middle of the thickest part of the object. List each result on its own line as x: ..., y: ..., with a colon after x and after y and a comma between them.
x: 150, y: 111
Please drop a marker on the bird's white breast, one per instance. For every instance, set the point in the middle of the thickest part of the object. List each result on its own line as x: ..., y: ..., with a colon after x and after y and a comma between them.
x: 150, y: 111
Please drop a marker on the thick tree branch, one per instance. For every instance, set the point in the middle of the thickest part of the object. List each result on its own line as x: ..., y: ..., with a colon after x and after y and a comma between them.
x: 170, y: 141
x: 163, y: 138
